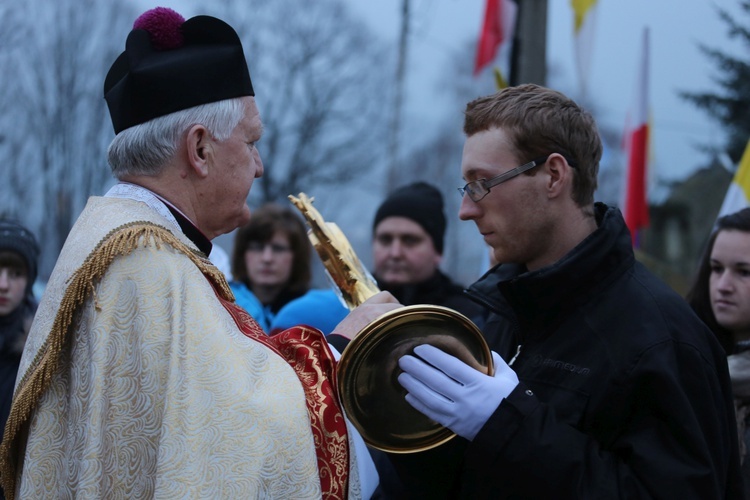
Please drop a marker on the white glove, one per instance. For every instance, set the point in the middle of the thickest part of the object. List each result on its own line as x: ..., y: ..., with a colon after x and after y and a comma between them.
x: 452, y: 393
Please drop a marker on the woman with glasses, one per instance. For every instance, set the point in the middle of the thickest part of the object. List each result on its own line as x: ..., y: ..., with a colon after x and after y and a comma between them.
x: 271, y: 274
x: 270, y: 262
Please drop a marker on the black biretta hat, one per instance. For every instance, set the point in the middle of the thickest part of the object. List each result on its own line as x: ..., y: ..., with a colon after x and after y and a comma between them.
x: 170, y: 64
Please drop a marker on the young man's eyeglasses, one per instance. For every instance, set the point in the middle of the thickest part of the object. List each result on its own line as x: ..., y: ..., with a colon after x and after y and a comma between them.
x: 479, y: 188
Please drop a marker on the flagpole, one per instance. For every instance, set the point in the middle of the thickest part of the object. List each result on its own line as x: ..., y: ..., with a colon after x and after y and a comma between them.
x: 398, y: 97
x: 529, y: 59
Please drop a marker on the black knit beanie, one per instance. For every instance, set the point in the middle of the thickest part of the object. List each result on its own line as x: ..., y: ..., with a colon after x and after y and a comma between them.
x: 16, y: 238
x: 419, y: 202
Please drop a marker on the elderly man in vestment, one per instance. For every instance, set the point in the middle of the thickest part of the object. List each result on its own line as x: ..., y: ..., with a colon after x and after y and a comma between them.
x: 141, y: 378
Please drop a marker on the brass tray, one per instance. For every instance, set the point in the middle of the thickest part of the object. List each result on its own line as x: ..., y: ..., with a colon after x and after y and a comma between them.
x: 368, y: 371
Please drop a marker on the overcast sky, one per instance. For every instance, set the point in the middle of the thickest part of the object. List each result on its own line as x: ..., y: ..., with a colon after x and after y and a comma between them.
x: 442, y: 27
x: 676, y: 26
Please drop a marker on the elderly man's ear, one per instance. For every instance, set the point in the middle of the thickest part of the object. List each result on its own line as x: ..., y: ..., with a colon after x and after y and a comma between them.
x: 199, y: 144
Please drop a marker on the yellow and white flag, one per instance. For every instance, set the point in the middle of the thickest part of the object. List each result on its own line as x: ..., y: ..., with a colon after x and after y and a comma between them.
x: 584, y: 22
x: 738, y: 194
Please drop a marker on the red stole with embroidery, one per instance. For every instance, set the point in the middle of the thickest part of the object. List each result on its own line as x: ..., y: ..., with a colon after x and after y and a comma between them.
x: 307, y: 352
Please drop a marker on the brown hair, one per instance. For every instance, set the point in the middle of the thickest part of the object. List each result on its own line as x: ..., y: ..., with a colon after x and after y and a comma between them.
x: 13, y: 260
x: 540, y: 121
x: 264, y: 223
x: 699, y: 295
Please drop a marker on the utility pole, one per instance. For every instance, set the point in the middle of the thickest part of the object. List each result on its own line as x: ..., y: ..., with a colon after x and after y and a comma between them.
x: 529, y: 56
x: 398, y: 97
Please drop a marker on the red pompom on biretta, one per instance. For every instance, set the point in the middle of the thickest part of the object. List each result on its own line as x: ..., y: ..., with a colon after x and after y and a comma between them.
x: 164, y: 26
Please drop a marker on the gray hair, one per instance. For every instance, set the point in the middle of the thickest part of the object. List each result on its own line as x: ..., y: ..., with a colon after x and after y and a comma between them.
x: 146, y: 148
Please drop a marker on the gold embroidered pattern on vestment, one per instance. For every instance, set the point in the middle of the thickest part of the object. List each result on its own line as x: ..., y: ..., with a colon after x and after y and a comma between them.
x: 119, y: 242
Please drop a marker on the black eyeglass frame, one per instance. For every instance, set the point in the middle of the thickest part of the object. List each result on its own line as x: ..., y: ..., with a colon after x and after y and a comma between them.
x: 480, y: 188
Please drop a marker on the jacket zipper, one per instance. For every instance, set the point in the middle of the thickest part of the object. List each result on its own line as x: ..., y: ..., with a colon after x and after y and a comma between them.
x: 479, y: 299
x: 518, y: 351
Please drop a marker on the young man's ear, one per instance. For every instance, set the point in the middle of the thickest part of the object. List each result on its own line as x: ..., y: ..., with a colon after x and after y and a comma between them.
x: 199, y: 144
x: 559, y: 175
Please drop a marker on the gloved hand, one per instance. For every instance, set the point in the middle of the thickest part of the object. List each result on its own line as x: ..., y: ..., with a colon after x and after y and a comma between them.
x: 452, y: 393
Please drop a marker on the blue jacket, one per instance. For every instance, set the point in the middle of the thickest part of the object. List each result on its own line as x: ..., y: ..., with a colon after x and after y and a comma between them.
x: 320, y: 309
x: 250, y: 303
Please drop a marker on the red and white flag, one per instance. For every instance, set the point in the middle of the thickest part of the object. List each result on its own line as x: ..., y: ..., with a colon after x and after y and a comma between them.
x: 635, y: 203
x: 497, y: 32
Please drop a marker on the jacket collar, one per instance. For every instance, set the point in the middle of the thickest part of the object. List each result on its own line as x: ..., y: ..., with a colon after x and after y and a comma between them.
x: 429, y: 291
x: 546, y: 296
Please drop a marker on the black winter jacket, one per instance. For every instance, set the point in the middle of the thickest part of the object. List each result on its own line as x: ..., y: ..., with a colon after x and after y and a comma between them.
x: 623, y: 392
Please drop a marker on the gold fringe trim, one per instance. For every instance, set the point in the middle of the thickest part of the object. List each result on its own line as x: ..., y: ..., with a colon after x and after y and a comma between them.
x: 81, y: 285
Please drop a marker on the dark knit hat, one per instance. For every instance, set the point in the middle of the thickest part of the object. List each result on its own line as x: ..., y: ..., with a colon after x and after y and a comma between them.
x: 170, y: 64
x: 419, y: 202
x: 16, y: 238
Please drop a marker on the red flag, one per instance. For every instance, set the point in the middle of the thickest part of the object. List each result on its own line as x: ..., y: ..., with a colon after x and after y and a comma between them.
x: 491, y: 35
x: 636, y: 203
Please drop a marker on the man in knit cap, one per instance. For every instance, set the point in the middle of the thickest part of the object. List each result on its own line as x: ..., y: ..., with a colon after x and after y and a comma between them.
x: 408, y: 234
x: 407, y: 245
x: 141, y: 377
